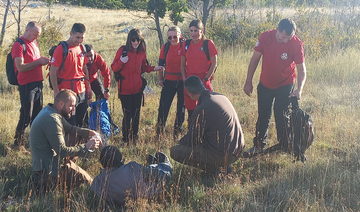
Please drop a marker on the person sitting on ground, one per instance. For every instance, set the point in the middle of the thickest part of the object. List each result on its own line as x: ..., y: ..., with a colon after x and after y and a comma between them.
x: 215, y: 138
x: 96, y: 63
x: 118, y: 181
x: 47, y: 144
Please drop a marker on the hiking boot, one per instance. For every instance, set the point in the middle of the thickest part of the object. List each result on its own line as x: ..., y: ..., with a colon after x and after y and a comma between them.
x: 253, y: 152
x: 162, y: 158
x: 151, y: 159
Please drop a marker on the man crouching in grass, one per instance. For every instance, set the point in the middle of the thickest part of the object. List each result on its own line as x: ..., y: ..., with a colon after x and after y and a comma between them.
x: 215, y: 138
x: 47, y: 145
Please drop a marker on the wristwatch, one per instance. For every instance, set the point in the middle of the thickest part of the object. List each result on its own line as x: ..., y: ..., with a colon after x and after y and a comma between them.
x: 106, y: 90
x: 206, y: 79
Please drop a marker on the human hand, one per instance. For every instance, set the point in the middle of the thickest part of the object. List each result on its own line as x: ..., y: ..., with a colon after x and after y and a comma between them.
x: 159, y: 68
x: 44, y: 60
x: 124, y: 59
x: 92, y: 133
x: 107, y: 95
x: 248, y: 88
x: 296, y: 93
x: 89, y: 96
x: 93, y: 144
x: 161, y: 83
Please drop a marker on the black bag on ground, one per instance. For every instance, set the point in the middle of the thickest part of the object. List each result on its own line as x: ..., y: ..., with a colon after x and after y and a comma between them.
x: 10, y: 68
x: 299, y: 133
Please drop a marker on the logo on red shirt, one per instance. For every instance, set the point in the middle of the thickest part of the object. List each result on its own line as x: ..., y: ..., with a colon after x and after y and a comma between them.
x: 284, y: 56
x: 202, y: 49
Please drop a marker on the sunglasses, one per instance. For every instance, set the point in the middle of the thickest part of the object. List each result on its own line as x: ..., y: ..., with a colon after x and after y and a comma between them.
x: 135, y: 39
x: 173, y: 37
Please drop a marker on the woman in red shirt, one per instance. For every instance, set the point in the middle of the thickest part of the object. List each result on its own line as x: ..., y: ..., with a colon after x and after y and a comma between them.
x: 194, y: 61
x: 173, y: 83
x: 130, y: 63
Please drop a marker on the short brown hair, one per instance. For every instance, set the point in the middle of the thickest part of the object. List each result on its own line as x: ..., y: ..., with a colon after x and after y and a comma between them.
x: 65, y: 95
x: 288, y: 25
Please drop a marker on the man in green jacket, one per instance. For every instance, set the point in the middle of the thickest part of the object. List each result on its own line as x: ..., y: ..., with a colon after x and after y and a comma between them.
x: 47, y: 144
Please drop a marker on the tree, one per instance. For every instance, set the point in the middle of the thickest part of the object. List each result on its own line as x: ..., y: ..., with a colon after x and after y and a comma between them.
x: 48, y: 4
x: 158, y: 9
x: 177, y: 7
x: 18, y: 17
x: 4, y: 22
x: 206, y: 6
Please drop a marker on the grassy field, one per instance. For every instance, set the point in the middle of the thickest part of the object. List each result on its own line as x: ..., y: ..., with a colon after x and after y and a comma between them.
x: 329, y: 181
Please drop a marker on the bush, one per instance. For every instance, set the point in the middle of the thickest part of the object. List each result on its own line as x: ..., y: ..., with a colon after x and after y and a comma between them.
x: 102, y: 4
x: 51, y: 34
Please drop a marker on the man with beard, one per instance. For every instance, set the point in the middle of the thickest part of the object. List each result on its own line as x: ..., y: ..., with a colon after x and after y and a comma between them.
x: 47, y: 144
x: 96, y: 63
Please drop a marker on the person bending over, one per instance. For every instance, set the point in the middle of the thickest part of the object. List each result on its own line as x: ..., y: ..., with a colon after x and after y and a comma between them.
x: 215, y: 138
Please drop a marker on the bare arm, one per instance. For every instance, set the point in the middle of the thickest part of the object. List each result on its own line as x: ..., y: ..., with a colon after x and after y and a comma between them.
x: 248, y: 87
x: 213, y: 65
x: 54, y: 79
x: 182, y: 67
x: 301, y: 78
x: 23, y: 67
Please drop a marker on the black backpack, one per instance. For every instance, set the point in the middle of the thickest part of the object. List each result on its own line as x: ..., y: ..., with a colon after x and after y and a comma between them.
x: 65, y: 53
x: 10, y: 68
x: 299, y: 132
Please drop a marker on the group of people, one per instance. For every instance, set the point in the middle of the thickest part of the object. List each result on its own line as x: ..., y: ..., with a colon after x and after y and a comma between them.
x: 214, y: 138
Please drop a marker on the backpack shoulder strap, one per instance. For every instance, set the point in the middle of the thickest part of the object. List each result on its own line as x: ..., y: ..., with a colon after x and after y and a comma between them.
x: 22, y: 42
x: 187, y: 44
x: 206, y: 48
x: 166, y: 48
x: 65, y: 53
x: 124, y: 51
x: 83, y: 48
x: 182, y: 40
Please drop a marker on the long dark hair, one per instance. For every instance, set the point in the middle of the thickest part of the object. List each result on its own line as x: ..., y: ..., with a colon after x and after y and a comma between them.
x: 135, y: 34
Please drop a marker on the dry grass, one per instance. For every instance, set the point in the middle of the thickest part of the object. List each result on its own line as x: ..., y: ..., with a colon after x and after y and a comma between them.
x: 329, y: 181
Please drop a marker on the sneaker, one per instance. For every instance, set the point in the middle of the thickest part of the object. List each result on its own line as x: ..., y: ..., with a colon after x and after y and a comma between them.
x: 253, y: 152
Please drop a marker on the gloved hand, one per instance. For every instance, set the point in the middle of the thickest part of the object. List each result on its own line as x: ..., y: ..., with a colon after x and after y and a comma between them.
x: 124, y: 59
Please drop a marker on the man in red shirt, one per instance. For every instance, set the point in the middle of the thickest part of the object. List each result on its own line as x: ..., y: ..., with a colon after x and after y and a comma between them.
x: 96, y: 62
x: 281, y: 51
x: 73, y: 73
x: 28, y: 66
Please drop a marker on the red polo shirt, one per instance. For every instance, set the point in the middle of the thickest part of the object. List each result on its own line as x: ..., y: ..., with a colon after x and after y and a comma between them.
x: 32, y: 54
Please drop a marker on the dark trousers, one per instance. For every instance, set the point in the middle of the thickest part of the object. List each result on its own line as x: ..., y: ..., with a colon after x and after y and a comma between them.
x: 199, y: 156
x: 131, y: 105
x: 266, y: 99
x: 98, y: 88
x: 31, y: 99
x: 77, y: 119
x: 171, y: 87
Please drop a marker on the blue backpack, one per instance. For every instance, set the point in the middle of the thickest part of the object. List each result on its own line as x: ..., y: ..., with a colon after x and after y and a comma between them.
x: 100, y: 119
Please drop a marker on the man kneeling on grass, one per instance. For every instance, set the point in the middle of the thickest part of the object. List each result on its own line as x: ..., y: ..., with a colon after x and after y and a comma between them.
x: 47, y: 145
x: 214, y: 138
x: 118, y: 181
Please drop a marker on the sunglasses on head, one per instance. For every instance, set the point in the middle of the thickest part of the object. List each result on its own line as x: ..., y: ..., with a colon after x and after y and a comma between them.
x: 172, y: 37
x: 135, y: 39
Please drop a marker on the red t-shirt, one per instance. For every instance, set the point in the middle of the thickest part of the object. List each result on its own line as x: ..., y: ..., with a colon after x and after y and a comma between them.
x: 173, y: 61
x: 74, y: 65
x: 279, y: 59
x: 196, y: 60
x: 32, y: 54
x: 99, y: 64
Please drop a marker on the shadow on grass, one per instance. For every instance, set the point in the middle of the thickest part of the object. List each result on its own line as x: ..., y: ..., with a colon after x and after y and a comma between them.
x: 3, y: 150
x: 15, y: 181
